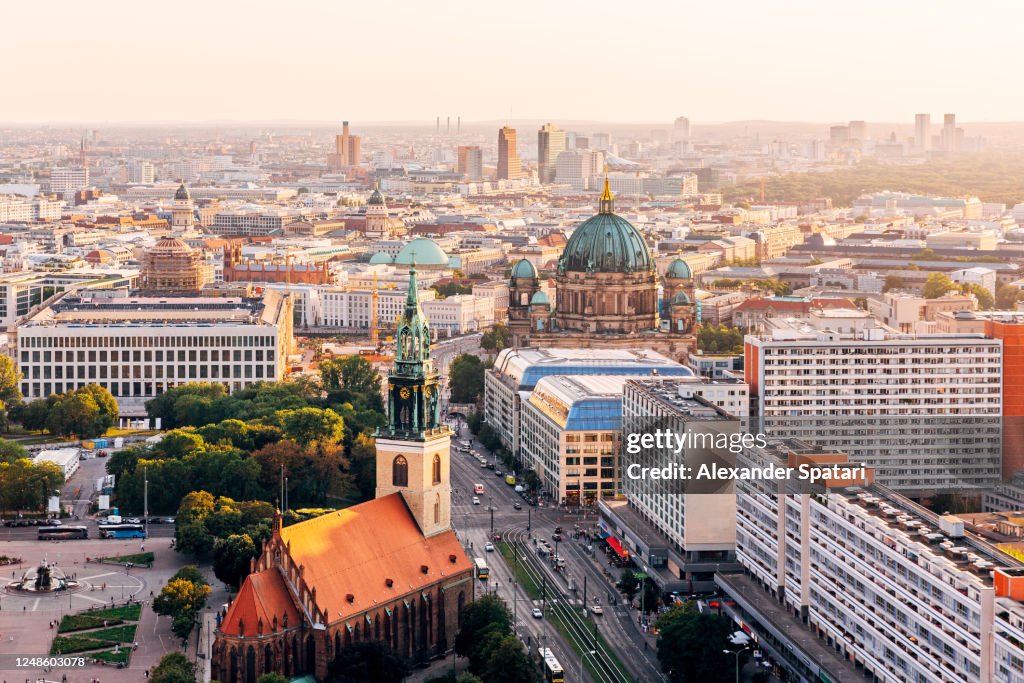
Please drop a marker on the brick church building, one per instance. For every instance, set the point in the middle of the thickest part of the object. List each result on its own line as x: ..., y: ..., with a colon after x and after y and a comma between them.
x: 389, y: 570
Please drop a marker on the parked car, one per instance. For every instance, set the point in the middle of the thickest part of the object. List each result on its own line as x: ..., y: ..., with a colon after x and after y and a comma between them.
x: 517, y: 505
x: 596, y: 609
x: 133, y: 520
x: 168, y: 520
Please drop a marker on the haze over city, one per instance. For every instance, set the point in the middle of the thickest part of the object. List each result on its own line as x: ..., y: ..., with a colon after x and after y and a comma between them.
x: 410, y: 61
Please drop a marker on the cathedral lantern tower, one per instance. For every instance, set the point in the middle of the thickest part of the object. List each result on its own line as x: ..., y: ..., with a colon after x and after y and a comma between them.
x: 182, y: 216
x: 414, y: 449
x: 377, y: 220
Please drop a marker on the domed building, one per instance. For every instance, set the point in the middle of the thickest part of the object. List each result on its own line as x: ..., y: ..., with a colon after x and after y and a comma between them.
x: 183, y: 211
x: 606, y: 293
x: 173, y: 266
x: 380, y: 224
x: 426, y: 253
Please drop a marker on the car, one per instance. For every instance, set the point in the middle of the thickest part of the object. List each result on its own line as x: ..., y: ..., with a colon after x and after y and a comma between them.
x: 557, y: 538
x: 489, y: 465
x: 52, y: 522
x: 596, y: 609
x: 156, y: 520
x: 558, y: 529
x: 168, y: 520
x: 476, y: 500
x: 489, y: 547
x: 499, y: 473
x: 133, y: 520
x: 517, y: 505
x: 483, y: 464
x: 537, y: 614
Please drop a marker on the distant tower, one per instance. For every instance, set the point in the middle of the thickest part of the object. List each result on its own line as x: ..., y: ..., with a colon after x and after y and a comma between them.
x: 550, y: 143
x: 509, y: 164
x: 182, y: 216
x: 376, y: 216
x: 923, y: 132
x: 681, y: 129
x: 471, y: 162
x: 414, y: 448
x: 949, y: 132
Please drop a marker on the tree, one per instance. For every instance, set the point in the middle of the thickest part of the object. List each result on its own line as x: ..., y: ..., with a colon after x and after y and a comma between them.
x: 628, y: 583
x: 496, y: 338
x: 272, y: 678
x: 306, y: 425
x: 986, y: 301
x: 451, y: 289
x: 1007, y: 296
x: 163, y: 406
x: 692, y: 646
x: 478, y: 615
x: 466, y: 378
x: 231, y: 558
x: 181, y: 599
x: 173, y: 667
x: 10, y: 393
x: 32, y: 415
x: 720, y: 339
x: 363, y: 465
x: 11, y: 451
x: 937, y: 285
x: 366, y: 662
x: 650, y: 596
x: 893, y: 282
x: 508, y: 662
x: 86, y: 412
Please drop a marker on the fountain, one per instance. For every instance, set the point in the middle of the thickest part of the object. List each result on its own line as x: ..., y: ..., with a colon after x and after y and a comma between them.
x: 44, y: 578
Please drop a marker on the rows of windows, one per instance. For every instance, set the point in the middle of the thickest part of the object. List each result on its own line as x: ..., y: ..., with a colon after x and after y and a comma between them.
x: 238, y: 371
x: 148, y: 356
x: 32, y: 390
x: 28, y: 341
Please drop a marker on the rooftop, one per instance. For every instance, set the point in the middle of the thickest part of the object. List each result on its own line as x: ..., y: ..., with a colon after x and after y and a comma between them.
x: 524, y: 367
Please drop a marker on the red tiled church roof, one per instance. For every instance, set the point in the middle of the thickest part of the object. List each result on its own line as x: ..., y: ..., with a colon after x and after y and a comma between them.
x: 263, y: 596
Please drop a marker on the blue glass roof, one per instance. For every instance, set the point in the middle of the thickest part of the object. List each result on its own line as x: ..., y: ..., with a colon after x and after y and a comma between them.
x: 598, y: 415
x: 536, y: 372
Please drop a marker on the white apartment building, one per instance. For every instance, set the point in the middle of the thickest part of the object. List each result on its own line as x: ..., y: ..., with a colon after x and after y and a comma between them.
x: 68, y: 180
x: 251, y: 223
x: 459, y: 314
x: 138, y: 347
x: 18, y: 209
x: 141, y: 171
x: 577, y: 166
x: 922, y: 409
x: 906, y: 594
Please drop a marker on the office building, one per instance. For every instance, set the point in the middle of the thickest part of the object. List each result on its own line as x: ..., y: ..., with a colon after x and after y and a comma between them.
x: 138, y: 346
x: 681, y: 129
x: 577, y: 167
x: 471, y: 162
x: 346, y: 149
x: 903, y: 593
x: 66, y: 181
x: 18, y: 209
x: 923, y: 132
x: 550, y: 143
x: 141, y: 171
x: 858, y: 130
x: 509, y: 163
x: 517, y: 371
x: 949, y: 136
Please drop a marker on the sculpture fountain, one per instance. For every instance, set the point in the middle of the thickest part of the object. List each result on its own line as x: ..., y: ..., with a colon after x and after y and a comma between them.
x: 44, y: 578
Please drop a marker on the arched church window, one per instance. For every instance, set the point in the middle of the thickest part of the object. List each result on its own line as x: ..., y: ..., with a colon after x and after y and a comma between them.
x: 437, y: 469
x: 437, y: 508
x: 400, y: 472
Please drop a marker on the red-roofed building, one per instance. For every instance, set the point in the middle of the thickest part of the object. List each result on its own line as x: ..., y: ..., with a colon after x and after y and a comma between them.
x: 754, y: 312
x: 390, y: 570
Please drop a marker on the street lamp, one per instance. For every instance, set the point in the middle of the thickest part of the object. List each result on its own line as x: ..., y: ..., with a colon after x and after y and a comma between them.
x: 737, y: 654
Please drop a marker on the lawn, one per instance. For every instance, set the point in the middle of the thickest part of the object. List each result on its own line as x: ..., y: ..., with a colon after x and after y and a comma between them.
x: 137, y: 559
x: 120, y: 657
x: 82, y: 622
x: 63, y: 645
x: 117, y: 634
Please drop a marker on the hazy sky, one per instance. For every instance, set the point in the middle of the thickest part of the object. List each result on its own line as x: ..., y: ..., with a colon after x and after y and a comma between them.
x: 629, y: 61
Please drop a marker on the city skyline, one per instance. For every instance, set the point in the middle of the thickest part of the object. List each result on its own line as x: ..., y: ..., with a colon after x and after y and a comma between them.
x: 695, y: 60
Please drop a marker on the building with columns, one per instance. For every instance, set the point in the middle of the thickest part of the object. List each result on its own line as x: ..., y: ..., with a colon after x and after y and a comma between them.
x: 389, y: 570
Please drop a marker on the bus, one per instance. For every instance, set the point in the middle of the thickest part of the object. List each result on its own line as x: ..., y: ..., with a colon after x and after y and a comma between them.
x: 482, y: 572
x: 553, y: 672
x: 478, y: 489
x: 122, y: 531
x: 61, y: 533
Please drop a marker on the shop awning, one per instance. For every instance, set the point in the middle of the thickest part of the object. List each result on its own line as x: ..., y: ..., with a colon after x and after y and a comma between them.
x: 617, y: 547
x: 602, y: 534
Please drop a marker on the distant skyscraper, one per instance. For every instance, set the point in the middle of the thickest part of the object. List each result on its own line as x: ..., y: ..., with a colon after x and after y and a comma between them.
x: 601, y: 141
x: 346, y: 149
x: 65, y: 181
x: 509, y: 164
x: 141, y: 171
x: 858, y: 130
x: 949, y: 132
x: 923, y: 132
x: 471, y: 162
x: 839, y: 135
x: 550, y: 143
x: 682, y: 128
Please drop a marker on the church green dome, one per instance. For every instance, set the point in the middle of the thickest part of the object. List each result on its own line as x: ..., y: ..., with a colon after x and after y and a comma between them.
x: 424, y: 251
x: 182, y: 194
x: 379, y: 258
x: 523, y: 269
x: 376, y: 197
x: 679, y: 269
x: 540, y: 299
x: 606, y: 243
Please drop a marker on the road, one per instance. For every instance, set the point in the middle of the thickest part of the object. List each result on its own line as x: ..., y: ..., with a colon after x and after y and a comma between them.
x: 520, y: 528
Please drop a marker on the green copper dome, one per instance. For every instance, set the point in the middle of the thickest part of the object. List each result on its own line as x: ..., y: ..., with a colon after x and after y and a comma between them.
x: 523, y: 269
x: 376, y: 197
x: 182, y: 194
x: 379, y: 258
x: 679, y: 269
x: 540, y: 299
x: 424, y: 252
x: 606, y: 243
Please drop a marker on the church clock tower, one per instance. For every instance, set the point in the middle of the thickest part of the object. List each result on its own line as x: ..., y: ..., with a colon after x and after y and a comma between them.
x: 414, y: 449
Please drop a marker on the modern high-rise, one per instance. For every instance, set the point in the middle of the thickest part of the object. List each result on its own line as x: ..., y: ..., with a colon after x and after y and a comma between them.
x: 141, y: 171
x: 923, y: 132
x: 510, y: 166
x: 471, y: 163
x: 550, y: 143
x: 858, y: 130
x: 346, y: 149
x: 578, y: 166
x: 949, y: 132
x: 681, y: 129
